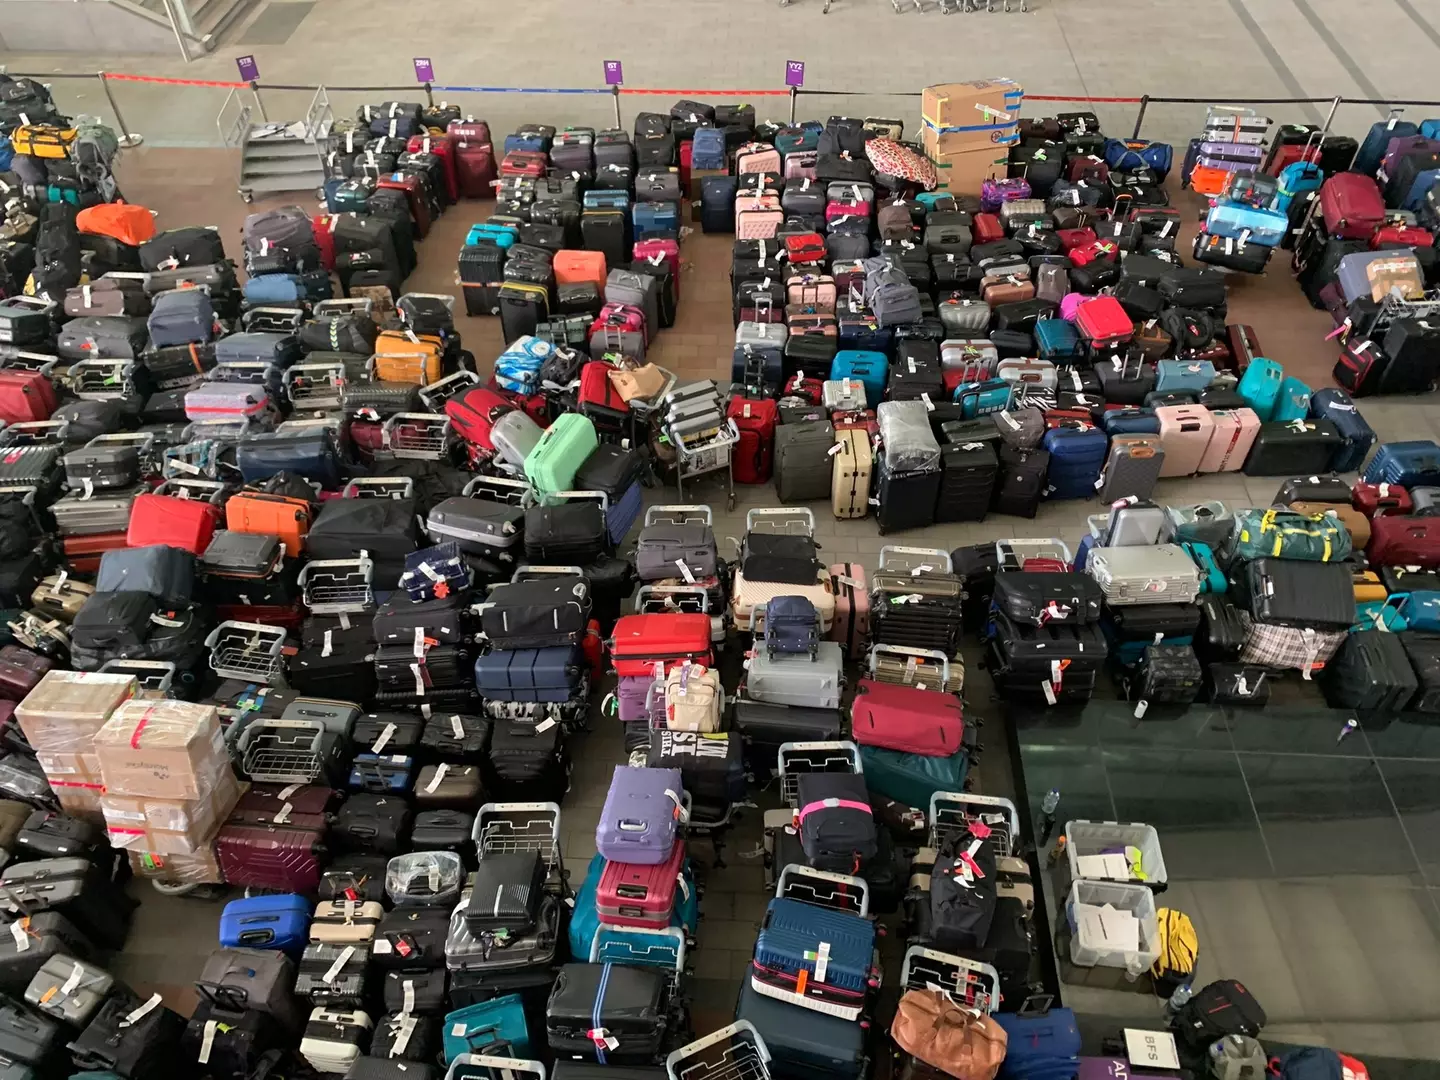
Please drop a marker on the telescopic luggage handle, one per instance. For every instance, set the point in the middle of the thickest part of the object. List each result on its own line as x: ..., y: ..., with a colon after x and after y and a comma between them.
x: 679, y: 514
x: 781, y: 519
x: 501, y: 1068
x: 934, y: 655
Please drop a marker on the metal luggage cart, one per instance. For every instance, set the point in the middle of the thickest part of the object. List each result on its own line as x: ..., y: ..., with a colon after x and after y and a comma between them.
x: 315, y: 386
x: 417, y: 436
x: 485, y: 1067
x: 838, y: 892
x: 952, y: 812
x: 511, y: 828
x: 249, y: 651
x: 333, y: 586
x: 214, y: 492
x: 644, y: 408
x: 102, y: 380
x: 156, y: 677
x: 379, y: 487
x: 1014, y: 554
x: 968, y: 983
x: 283, y: 751
x: 34, y: 433
x: 12, y: 359
x: 434, y: 396
x: 697, y: 459
x: 795, y: 758
x: 637, y: 947
x: 272, y: 319
x: 250, y: 372
x: 143, y: 441
x: 735, y: 1052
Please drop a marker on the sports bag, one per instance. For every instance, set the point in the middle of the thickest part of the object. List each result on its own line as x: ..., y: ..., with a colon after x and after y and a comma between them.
x: 1285, y: 534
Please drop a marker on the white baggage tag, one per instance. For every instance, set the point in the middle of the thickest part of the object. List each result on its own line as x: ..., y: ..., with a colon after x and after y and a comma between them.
x: 440, y: 771
x: 456, y: 727
x: 1014, y: 424
x: 1312, y: 652
x: 1049, y: 693
x: 340, y: 962
x: 419, y: 680
x: 386, y: 734
x: 139, y: 1013
x: 17, y: 931
x: 544, y: 725
x: 289, y: 790
x: 419, y: 646
x: 1140, y: 708
x: 929, y: 405
x: 822, y: 961
x: 329, y: 645
x: 409, y: 986
x: 344, y: 621
x: 685, y: 572
x: 283, y: 814
x: 834, y: 449
x: 207, y: 1041
x: 404, y: 1029
x: 59, y: 583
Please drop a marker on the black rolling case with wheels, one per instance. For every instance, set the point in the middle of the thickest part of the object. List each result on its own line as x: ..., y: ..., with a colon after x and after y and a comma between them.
x: 1370, y: 673
x: 119, y: 1040
x: 1166, y: 675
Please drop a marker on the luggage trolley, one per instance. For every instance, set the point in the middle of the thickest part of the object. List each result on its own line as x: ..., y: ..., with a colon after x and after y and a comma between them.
x: 285, y: 751
x: 434, y: 396
x: 953, y: 811
x: 102, y: 380
x: 485, y: 1067
x: 636, y: 946
x: 704, y: 456
x: 248, y: 651
x: 333, y: 586
x: 155, y: 677
x: 1018, y: 554
x: 417, y: 436
x: 34, y: 433
x: 793, y: 759
x: 691, y: 599
x: 379, y: 487
x: 838, y: 892
x: 735, y: 1052
x: 968, y: 983
x: 315, y: 385
x: 511, y: 828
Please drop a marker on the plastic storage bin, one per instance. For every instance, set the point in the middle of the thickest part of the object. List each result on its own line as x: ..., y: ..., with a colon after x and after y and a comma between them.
x: 1105, y: 837
x: 1138, y: 901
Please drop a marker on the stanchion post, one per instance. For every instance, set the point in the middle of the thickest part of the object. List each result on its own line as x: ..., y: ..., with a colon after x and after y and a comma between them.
x: 127, y: 140
x: 429, y: 96
x: 255, y: 90
x: 794, y: 93
x: 1140, y: 116
x: 615, y: 91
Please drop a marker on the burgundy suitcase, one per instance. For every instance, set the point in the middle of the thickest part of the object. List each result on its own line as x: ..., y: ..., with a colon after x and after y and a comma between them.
x: 1404, y: 541
x: 302, y: 807
x: 1352, y: 206
x: 1244, y: 346
x: 271, y: 857
x: 1380, y: 500
x: 20, y: 671
x: 926, y: 722
x: 631, y: 895
x: 851, y: 625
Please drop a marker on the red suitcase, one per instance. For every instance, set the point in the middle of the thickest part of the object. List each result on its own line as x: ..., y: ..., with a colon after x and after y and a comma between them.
x: 1071, y: 239
x: 1244, y: 346
x: 20, y: 671
x: 1103, y: 323
x: 82, y: 553
x: 323, y: 226
x: 524, y: 163
x: 631, y: 895
x: 443, y: 147
x: 1352, y: 206
x: 597, y: 389
x: 986, y: 229
x: 1099, y: 251
x: 26, y: 396
x: 1404, y: 541
x: 687, y: 156
x: 1381, y: 500
x: 271, y: 857
x: 469, y: 130
x: 753, y: 458
x: 414, y: 190
x: 638, y: 642
x: 1401, y: 236
x: 473, y: 414
x: 475, y: 170
x: 804, y: 248
x: 926, y: 722
x: 851, y: 625
x: 164, y: 519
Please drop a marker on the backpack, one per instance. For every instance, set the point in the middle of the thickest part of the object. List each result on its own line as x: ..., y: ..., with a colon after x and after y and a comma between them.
x: 1221, y: 1008
x: 1179, y: 950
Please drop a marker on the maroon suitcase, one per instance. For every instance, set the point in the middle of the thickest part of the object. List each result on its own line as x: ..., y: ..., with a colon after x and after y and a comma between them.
x: 1244, y: 346
x: 20, y: 670
x: 926, y: 722
x: 271, y: 857
x: 304, y: 807
x: 1352, y: 206
x: 1404, y: 541
x: 414, y: 194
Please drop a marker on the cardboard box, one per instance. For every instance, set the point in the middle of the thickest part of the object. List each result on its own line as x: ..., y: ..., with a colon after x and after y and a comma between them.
x: 75, y: 780
x: 168, y: 826
x: 970, y: 115
x: 162, y: 750
x: 201, y: 867
x: 963, y: 174
x: 67, y: 708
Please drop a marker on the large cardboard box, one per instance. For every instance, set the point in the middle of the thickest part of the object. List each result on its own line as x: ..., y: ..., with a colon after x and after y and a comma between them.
x: 75, y: 780
x: 162, y: 750
x: 963, y: 174
x: 168, y: 826
x: 970, y: 115
x: 67, y: 708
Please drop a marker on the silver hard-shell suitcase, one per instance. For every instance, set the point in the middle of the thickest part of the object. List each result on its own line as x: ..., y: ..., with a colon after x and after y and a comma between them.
x: 79, y: 515
x: 798, y: 680
x: 1145, y: 574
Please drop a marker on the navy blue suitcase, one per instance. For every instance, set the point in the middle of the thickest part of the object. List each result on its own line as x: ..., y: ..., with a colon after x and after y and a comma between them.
x: 382, y: 774
x: 1137, y: 421
x: 1339, y: 408
x: 1077, y: 457
x: 278, y: 922
x: 1040, y: 1047
x: 717, y: 203
x: 789, y: 941
x: 530, y: 674
x: 314, y: 457
x: 531, y: 141
x: 1377, y: 139
x: 1408, y: 464
x: 655, y: 219
x: 791, y: 626
x: 803, y: 1043
x: 621, y: 514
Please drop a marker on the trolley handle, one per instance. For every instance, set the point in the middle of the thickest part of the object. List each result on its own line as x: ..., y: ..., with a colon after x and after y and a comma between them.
x: 652, y: 592
x: 501, y: 1066
x: 742, y: 1030
x: 679, y: 514
x: 912, y: 654
x: 799, y: 751
x: 974, y: 805
x: 598, y: 496
x: 672, y: 933
x: 502, y: 488
x: 781, y: 517
x: 379, y: 487
x: 793, y: 871
x: 963, y: 968
x: 343, y: 306
x: 529, y: 572
x: 929, y: 555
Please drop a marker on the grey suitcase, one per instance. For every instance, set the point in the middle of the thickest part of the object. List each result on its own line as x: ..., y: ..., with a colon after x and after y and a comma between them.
x: 254, y: 979
x: 1132, y: 468
x: 1139, y: 524
x: 479, y: 526
x: 1148, y: 574
x: 514, y: 436
x: 796, y: 679
x: 181, y: 317
x: 69, y: 989
x: 803, y: 462
x: 102, y: 337
x: 1352, y: 276
x: 639, y: 290
x: 77, y: 515
x: 1021, y: 428
x: 1426, y: 501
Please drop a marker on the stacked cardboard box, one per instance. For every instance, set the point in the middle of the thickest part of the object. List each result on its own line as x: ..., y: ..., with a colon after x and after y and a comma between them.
x: 967, y: 129
x: 60, y: 718
x: 168, y: 784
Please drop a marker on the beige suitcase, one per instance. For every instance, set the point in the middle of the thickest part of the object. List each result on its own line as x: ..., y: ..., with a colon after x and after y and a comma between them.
x: 908, y: 670
x: 850, y: 478
x: 345, y: 922
x: 60, y: 597
x: 750, y: 597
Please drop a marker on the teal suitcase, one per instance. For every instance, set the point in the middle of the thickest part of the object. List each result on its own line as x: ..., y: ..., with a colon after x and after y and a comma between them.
x: 1260, y: 387
x: 551, y: 466
x: 912, y: 778
x: 1293, y: 402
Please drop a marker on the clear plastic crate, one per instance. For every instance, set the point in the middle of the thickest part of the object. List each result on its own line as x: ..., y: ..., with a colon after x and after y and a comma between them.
x: 1112, y: 837
x: 1138, y: 901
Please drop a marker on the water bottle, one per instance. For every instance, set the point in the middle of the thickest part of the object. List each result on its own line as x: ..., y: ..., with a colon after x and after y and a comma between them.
x: 1177, y: 1000
x: 1051, y: 802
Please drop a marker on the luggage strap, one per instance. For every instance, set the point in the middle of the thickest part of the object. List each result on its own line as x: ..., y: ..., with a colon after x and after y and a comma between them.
x: 832, y: 804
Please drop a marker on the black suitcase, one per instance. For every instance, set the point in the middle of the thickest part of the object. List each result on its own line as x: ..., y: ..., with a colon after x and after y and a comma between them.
x: 228, y: 1044
x: 630, y: 1003
x: 1321, y: 489
x: 420, y: 991
x: 1424, y: 653
x: 379, y: 1067
x: 1223, y: 629
x: 566, y: 534
x: 372, y: 823
x: 47, y: 934
x: 1166, y: 675
x: 397, y: 620
x: 1021, y: 482
x: 387, y: 733
x: 1371, y: 673
x: 1142, y: 622
x: 451, y: 736
x: 411, y: 938
x: 506, y: 892
x: 76, y: 888
x: 354, y: 877
x: 403, y: 1037
x: 48, y: 835
x: 1291, y: 592
x: 1237, y: 684
x: 383, y: 528
x: 27, y: 1038
x: 906, y: 499
x: 1293, y: 448
x: 347, y: 670
x: 135, y: 1046
x: 578, y: 298
x: 527, y: 764
x: 967, y: 481
x: 1022, y: 657
x: 443, y: 671
x: 763, y: 727
x: 444, y: 830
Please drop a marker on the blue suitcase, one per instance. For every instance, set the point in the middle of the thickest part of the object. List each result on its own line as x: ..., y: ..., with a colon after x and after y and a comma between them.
x: 1409, y: 464
x: 623, y: 512
x: 1044, y: 1047
x: 1422, y: 611
x: 791, y: 626
x: 1077, y: 457
x: 1260, y: 387
x: 1377, y: 141
x: 259, y: 457
x: 864, y: 335
x: 1240, y: 222
x: 382, y: 774
x: 707, y: 149
x: 655, y: 219
x: 1192, y: 155
x: 984, y: 398
x: 279, y: 922
x: 804, y: 1044
x: 1339, y: 408
x: 1296, y: 179
x: 501, y: 235
x: 912, y: 778
x: 274, y: 289
x: 1293, y: 402
x: 585, y: 918
x: 551, y: 674
x: 791, y: 934
x: 476, y: 1028
x: 1082, y: 553
x: 1172, y: 375
x: 869, y: 366
x: 1057, y: 340
x: 768, y: 360
x: 1135, y: 421
x: 605, y: 200
x: 528, y: 141
x: 1415, y: 197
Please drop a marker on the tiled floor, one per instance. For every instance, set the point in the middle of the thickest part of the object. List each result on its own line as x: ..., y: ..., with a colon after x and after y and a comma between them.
x: 172, y: 936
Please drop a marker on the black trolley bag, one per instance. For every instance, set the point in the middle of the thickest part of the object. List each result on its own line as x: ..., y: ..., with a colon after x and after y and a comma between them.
x: 371, y: 823
x: 1424, y: 653
x: 527, y: 762
x: 486, y: 966
x: 417, y: 990
x: 535, y: 614
x: 451, y: 736
x: 129, y: 1037
x: 567, y: 534
x: 967, y: 481
x: 403, y: 1038
x: 227, y: 1044
x: 444, y: 830
x: 400, y: 620
x: 1222, y: 630
x: 383, y: 528
x: 804, y: 1044
x: 1292, y: 592
x: 341, y: 666
x: 387, y: 732
x: 29, y: 1039
x: 376, y: 1067
x: 1293, y: 448
x: 76, y: 888
x: 765, y: 727
x: 1040, y: 598
x: 46, y: 934
x: 1371, y: 673
x: 1166, y: 675
x: 1238, y: 684
x: 712, y: 766
x: 441, y: 671
x: 835, y: 832
x: 256, y: 979
x: 506, y: 893
x: 1021, y: 658
x: 410, y: 938
x: 1021, y: 481
x: 630, y: 1003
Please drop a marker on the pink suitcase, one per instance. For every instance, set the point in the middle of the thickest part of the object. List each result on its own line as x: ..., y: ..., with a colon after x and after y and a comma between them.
x: 757, y: 217
x: 814, y: 290
x: 1235, y: 430
x: 757, y: 158
x: 801, y: 165
x: 851, y: 626
x: 631, y: 895
x: 1185, y: 432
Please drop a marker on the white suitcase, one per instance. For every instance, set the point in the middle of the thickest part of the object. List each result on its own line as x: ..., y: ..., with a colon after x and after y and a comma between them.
x: 1150, y: 574
x: 798, y: 680
x: 748, y: 599
x: 514, y: 436
x: 346, y: 922
x: 332, y: 1039
x: 844, y: 395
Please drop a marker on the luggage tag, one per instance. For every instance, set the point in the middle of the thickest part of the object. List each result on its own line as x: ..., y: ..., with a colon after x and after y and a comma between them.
x: 339, y: 965
x: 439, y: 776
x: 130, y: 1018
x: 386, y: 733
x: 602, y: 1039
x: 207, y: 1041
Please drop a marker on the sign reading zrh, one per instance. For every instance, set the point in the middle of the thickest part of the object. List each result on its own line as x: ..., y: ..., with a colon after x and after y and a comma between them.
x: 249, y: 70
x: 794, y: 72
x: 614, y: 73
x: 424, y: 72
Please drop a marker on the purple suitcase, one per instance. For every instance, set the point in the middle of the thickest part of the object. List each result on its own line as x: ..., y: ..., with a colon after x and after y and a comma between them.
x: 640, y: 699
x: 1233, y: 157
x: 638, y: 822
x: 1114, y: 1068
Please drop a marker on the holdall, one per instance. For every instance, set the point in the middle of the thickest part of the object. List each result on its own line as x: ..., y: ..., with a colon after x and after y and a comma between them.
x: 959, y: 1042
x: 1285, y: 534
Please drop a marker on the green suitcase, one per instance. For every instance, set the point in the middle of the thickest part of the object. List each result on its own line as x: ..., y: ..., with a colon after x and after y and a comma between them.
x: 562, y: 449
x: 912, y: 778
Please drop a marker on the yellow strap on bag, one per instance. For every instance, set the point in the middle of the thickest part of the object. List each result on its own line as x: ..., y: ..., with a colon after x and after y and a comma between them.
x: 42, y: 140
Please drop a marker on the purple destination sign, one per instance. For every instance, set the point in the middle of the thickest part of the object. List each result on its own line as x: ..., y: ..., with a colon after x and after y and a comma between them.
x: 614, y: 73
x: 794, y: 72
x: 424, y: 72
x: 249, y: 70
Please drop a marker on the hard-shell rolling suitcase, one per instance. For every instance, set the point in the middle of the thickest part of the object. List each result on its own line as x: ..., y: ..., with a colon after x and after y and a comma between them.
x: 1185, y: 434
x: 1232, y: 437
x: 266, y: 922
x: 637, y: 823
x: 1299, y: 447
x: 850, y: 476
x: 628, y: 1002
x: 1372, y: 673
x: 798, y: 681
x: 76, y: 888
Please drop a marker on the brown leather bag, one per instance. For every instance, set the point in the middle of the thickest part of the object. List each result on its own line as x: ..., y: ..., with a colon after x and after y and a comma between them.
x: 1354, y: 521
x: 966, y: 1044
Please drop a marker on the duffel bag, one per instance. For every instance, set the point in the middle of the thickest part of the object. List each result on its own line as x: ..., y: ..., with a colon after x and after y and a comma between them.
x: 1286, y: 534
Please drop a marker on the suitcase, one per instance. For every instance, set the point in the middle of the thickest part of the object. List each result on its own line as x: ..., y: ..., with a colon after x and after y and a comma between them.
x: 1293, y: 448
x: 798, y: 680
x: 281, y: 923
x: 1407, y: 464
x: 1045, y: 1045
x: 968, y: 471
x: 1232, y: 439
x: 824, y: 1046
x: 637, y: 823
x: 790, y: 934
x: 1375, y: 500
x: 528, y: 761
x: 1185, y: 434
x: 1291, y: 592
x: 628, y: 1002
x: 1371, y: 672
x: 1132, y: 468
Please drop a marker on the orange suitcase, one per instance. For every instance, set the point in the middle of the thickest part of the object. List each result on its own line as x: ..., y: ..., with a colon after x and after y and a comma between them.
x: 270, y: 515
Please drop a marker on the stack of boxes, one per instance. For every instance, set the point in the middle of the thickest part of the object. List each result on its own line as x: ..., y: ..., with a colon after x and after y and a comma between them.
x: 967, y: 129
x: 60, y: 718
x: 168, y: 787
